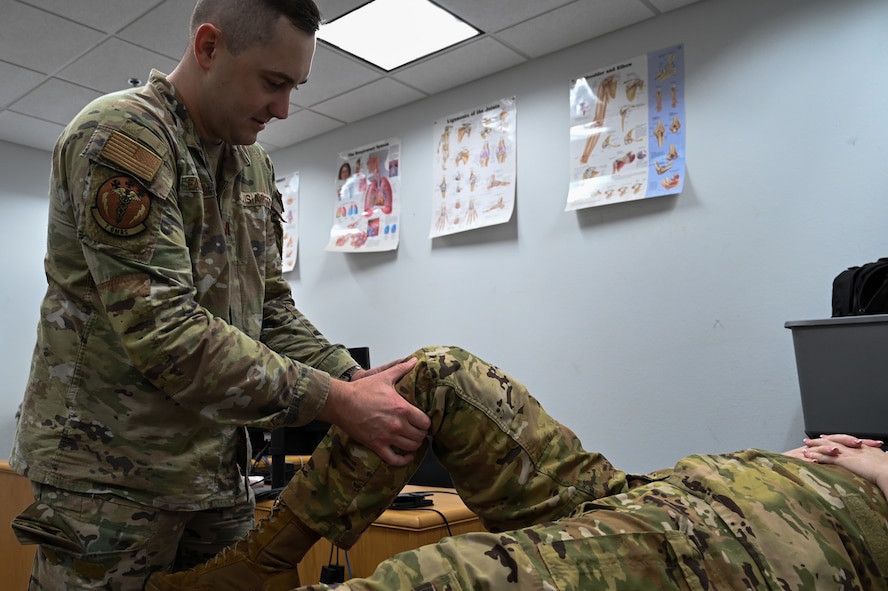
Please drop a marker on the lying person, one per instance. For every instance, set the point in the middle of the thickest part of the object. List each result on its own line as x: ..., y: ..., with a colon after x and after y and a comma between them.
x: 560, y: 517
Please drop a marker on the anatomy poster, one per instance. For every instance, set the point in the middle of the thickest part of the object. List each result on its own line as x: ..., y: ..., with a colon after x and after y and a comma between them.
x: 627, y: 134
x: 474, y: 169
x: 367, y: 199
x: 289, y: 188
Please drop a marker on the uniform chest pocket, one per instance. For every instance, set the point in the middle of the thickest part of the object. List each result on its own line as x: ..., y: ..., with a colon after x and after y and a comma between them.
x: 255, y: 225
x: 191, y: 207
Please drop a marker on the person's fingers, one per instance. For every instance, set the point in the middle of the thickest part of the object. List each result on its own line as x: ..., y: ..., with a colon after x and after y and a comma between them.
x: 390, y: 457
x: 820, y: 455
x: 408, y: 438
x: 827, y: 450
x: 418, y: 419
x: 366, y: 373
x: 420, y: 422
x: 407, y: 444
x: 399, y: 369
x: 832, y: 444
x: 846, y: 440
x: 821, y: 446
x: 797, y: 452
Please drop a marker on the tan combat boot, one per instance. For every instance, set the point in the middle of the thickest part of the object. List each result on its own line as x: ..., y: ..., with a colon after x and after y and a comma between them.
x: 265, y: 560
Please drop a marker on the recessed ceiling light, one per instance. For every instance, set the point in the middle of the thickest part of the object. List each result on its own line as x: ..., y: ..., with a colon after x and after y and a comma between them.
x: 391, y: 33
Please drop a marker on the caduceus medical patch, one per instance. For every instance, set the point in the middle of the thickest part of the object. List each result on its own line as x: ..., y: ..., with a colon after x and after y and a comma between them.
x: 122, y: 205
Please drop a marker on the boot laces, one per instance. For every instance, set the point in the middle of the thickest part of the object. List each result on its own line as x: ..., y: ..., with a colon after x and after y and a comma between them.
x: 248, y: 538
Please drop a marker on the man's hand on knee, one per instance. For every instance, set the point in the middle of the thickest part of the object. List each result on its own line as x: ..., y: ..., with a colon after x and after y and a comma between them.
x: 371, y: 411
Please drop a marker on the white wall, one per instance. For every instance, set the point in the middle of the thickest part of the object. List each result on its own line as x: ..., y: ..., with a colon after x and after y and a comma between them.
x: 654, y: 329
x: 23, y: 209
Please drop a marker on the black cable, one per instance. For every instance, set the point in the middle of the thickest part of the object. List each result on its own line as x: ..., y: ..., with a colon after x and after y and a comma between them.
x: 333, y: 573
x: 428, y: 508
x: 446, y: 523
x: 259, y: 455
x: 261, y: 452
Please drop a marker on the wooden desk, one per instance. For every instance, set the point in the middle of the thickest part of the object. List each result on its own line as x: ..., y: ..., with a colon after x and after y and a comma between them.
x: 15, y: 559
x: 395, y: 531
x: 297, y: 461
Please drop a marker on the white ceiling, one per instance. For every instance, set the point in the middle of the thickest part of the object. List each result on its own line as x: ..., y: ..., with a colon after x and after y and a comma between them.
x: 57, y: 55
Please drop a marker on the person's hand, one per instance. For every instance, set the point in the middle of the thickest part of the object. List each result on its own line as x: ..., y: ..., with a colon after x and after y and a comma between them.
x: 864, y: 457
x: 369, y: 410
x: 366, y: 373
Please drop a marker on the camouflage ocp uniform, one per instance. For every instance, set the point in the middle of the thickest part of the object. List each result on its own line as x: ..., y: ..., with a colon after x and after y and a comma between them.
x: 564, y: 518
x: 167, y: 324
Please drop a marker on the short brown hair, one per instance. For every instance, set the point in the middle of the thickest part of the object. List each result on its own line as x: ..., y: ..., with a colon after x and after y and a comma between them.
x: 250, y: 22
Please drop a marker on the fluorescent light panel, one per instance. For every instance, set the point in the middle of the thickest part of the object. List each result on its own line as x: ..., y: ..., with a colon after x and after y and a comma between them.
x: 391, y: 33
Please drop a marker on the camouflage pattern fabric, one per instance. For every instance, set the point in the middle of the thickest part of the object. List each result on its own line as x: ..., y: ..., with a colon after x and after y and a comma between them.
x: 167, y: 322
x: 95, y: 541
x: 563, y: 518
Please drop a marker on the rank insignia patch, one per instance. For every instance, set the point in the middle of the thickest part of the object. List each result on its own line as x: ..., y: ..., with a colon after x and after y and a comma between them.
x: 122, y: 206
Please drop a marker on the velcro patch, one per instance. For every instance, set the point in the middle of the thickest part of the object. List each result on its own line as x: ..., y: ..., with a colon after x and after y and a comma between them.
x: 131, y: 155
x: 122, y: 205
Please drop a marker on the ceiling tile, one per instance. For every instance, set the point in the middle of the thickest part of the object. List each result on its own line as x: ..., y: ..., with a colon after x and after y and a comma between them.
x: 374, y: 98
x: 164, y: 30
x: 27, y: 131
x: 55, y: 100
x: 492, y: 16
x: 459, y: 66
x: 110, y: 65
x: 332, y: 74
x: 105, y: 15
x: 667, y: 5
x: 41, y: 41
x: 575, y: 23
x: 331, y: 9
x: 16, y: 82
x: 298, y: 126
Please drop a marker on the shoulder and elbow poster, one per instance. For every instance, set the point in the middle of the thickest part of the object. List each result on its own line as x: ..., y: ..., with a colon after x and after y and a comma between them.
x: 627, y: 133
